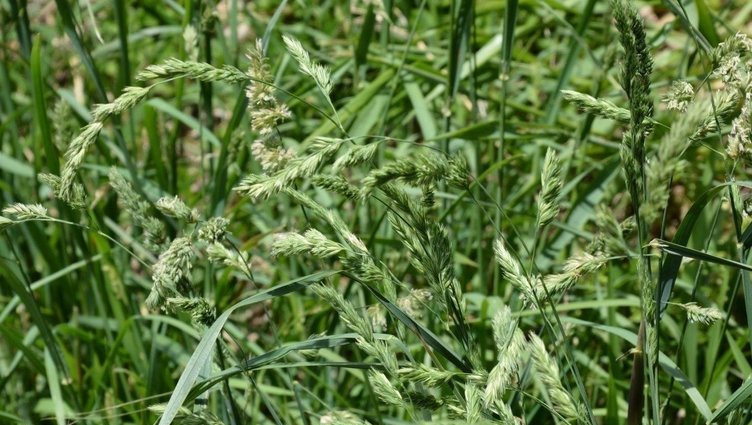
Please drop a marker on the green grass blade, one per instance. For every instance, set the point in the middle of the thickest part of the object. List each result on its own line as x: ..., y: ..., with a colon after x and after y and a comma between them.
x: 203, y: 352
x: 361, y: 50
x: 69, y: 26
x: 740, y: 396
x: 16, y: 286
x: 40, y: 108
x: 670, y: 266
x: 53, y: 381
x: 683, y: 251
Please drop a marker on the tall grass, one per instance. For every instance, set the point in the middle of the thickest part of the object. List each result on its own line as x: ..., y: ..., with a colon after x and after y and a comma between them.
x: 375, y: 213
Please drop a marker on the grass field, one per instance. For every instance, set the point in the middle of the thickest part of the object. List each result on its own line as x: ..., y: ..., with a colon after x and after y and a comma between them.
x: 376, y: 212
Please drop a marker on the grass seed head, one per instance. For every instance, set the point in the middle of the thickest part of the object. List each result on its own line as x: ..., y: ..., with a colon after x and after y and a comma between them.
x: 26, y: 211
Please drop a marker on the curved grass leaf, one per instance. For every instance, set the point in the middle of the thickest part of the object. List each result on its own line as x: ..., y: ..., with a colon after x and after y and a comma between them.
x: 329, y: 341
x: 665, y: 362
x: 53, y: 381
x: 683, y: 251
x: 423, y: 333
x: 670, y: 266
x: 16, y: 286
x: 203, y: 352
x: 40, y: 107
x: 739, y: 396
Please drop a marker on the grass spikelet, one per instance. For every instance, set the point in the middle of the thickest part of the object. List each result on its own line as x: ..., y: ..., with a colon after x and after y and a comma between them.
x: 384, y: 388
x: 473, y: 404
x: 213, y: 230
x: 548, y: 374
x: 63, y: 124
x: 702, y: 315
x: 264, y: 120
x: 355, y: 156
x: 548, y: 205
x: 635, y: 80
x: 347, y: 311
x: 190, y: 42
x: 172, y: 266
x: 201, y: 312
x: 420, y: 170
x: 26, y: 211
x: 130, y: 97
x: 679, y: 96
x: 698, y: 121
x: 316, y: 71
x: 77, y: 199
x: 271, y: 157
x: 576, y: 267
x: 740, y: 137
x: 595, y: 106
x: 138, y: 209
x: 512, y: 269
x: 264, y: 108
x: 430, y: 248
x: 219, y: 254
x: 510, y: 345
x: 74, y: 156
x: 337, y: 184
x: 259, y: 94
x: 738, y: 45
x: 200, y: 71
x: 412, y: 303
x: 173, y: 206
x: 341, y: 417
x: 311, y: 242
x: 427, y: 375
x: 261, y: 187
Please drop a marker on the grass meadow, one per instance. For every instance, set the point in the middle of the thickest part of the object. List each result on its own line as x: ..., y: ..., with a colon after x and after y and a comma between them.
x: 378, y: 212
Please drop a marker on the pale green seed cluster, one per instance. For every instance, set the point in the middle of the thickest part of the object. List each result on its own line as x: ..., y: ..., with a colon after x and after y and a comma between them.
x: 510, y: 347
x: 548, y: 374
x: 190, y: 42
x: 595, y: 106
x: 26, y: 211
x: 171, y: 268
x: 213, y: 230
x: 200, y: 71
x: 173, y: 206
x: 341, y: 417
x: 541, y: 287
x: 312, y: 242
x: 548, y: 205
x: 700, y: 119
x: 574, y: 269
x: 65, y: 187
x: 220, y: 254
x: 316, y: 71
x: 138, y: 209
x: 679, y: 96
x: 261, y: 187
x: 421, y: 170
x: 733, y: 66
x: 702, y: 315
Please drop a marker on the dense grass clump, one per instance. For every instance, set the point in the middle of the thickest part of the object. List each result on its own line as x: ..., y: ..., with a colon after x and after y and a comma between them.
x: 376, y: 212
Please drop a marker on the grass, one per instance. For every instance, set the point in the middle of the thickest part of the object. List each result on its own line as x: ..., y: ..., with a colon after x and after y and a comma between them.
x: 375, y: 212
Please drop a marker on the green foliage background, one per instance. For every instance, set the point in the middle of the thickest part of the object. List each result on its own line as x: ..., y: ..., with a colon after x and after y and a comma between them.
x: 481, y: 81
